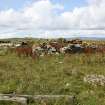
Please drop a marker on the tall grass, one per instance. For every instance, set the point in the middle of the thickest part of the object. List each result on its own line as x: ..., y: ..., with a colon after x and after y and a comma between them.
x: 56, y: 74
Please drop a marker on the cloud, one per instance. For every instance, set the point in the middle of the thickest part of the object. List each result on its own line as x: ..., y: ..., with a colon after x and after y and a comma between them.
x: 43, y: 18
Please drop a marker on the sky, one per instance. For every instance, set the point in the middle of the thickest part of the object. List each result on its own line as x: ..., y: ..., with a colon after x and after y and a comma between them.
x: 52, y: 18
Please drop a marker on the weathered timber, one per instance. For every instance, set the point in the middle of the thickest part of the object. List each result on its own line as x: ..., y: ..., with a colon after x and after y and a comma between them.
x: 23, y: 99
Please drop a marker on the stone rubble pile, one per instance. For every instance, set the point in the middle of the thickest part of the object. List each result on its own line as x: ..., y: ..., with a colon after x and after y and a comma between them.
x: 95, y: 80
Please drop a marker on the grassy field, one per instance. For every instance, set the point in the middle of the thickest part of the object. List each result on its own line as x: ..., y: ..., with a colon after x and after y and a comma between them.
x: 57, y: 74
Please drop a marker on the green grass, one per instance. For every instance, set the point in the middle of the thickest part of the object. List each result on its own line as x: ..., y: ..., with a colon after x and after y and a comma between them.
x: 53, y: 75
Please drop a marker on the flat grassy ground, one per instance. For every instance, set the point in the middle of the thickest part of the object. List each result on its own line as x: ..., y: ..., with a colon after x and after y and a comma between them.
x: 57, y: 74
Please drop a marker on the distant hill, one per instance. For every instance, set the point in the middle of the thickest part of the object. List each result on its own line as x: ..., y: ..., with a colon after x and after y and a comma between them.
x: 92, y: 38
x: 32, y: 38
x: 87, y: 38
